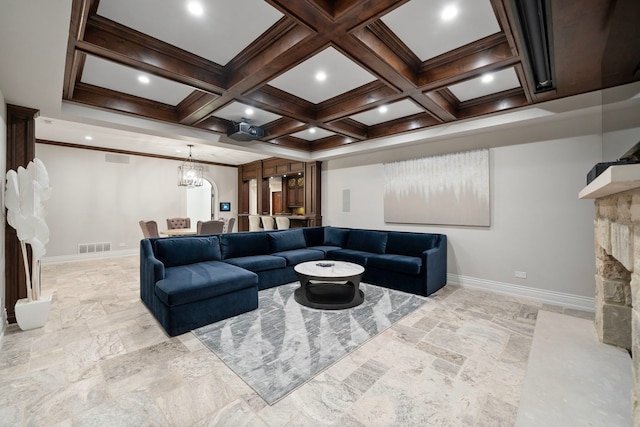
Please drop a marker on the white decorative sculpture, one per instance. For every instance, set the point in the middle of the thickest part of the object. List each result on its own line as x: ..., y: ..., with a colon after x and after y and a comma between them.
x: 25, y: 195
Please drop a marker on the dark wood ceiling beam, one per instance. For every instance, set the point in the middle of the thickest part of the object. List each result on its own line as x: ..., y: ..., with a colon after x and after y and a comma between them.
x: 502, y: 101
x: 462, y: 68
x: 348, y: 127
x: 282, y: 127
x: 405, y: 124
x: 195, y: 107
x: 74, y: 59
x: 214, y: 124
x: 283, y: 49
x: 105, y: 98
x: 109, y: 40
x: 280, y: 102
x: 333, y: 141
x: 389, y: 52
x: 290, y: 142
x: 442, y: 108
x: 335, y: 8
x: 356, y: 101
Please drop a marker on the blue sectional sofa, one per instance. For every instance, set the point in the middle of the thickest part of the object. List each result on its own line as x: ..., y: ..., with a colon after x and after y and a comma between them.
x: 188, y: 282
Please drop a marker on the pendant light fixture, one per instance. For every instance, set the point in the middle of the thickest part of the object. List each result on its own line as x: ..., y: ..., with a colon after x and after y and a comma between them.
x: 190, y: 174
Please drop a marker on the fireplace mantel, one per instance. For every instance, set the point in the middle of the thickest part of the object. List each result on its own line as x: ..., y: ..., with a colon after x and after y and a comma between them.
x: 615, y: 179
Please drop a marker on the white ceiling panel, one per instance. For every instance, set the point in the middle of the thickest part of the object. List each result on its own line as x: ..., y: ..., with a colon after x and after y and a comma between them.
x: 342, y: 75
x: 392, y: 111
x: 236, y: 111
x: 312, y: 134
x: 223, y: 30
x: 475, y: 88
x: 110, y: 75
x: 420, y: 26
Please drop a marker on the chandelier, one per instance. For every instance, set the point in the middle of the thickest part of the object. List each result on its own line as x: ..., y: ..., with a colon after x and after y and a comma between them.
x: 190, y: 174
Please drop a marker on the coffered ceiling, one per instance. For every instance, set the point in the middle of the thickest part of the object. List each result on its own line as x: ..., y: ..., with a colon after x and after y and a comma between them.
x: 320, y: 74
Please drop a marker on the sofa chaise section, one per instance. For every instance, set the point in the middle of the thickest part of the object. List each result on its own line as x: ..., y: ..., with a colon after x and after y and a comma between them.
x: 185, y: 284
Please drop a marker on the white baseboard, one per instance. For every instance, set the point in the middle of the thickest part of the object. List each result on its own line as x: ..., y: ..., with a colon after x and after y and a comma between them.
x: 90, y: 256
x: 542, y: 295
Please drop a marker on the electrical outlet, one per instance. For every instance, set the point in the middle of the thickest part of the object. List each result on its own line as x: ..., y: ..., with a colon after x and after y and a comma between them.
x: 520, y: 274
x: 122, y: 244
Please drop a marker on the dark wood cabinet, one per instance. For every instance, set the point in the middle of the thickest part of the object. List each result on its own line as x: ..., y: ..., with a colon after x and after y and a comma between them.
x: 300, y: 190
x: 295, y: 191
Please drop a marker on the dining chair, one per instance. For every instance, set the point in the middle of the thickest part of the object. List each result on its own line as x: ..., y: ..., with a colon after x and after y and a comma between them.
x: 210, y: 227
x: 282, y: 222
x: 254, y: 223
x: 178, y: 223
x: 149, y: 229
x: 229, y: 225
x: 268, y: 223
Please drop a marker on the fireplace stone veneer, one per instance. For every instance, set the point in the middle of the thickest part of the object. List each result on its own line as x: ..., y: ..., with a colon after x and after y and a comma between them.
x: 617, y: 253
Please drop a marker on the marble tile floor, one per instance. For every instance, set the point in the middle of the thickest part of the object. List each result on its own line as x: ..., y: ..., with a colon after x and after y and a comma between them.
x: 102, y: 360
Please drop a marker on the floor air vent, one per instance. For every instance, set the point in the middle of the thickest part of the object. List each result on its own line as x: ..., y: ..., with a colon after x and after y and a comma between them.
x: 87, y: 248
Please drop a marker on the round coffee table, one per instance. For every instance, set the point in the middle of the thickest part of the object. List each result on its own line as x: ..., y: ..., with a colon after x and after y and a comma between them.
x: 330, y: 285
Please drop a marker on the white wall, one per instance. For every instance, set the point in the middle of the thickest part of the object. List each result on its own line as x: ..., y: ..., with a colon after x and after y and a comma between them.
x: 94, y: 200
x: 538, y: 224
x: 616, y: 143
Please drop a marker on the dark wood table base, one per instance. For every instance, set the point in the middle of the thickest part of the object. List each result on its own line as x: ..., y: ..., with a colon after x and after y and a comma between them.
x: 329, y: 296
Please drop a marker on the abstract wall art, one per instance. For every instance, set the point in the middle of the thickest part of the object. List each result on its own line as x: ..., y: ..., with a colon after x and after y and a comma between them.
x: 451, y: 189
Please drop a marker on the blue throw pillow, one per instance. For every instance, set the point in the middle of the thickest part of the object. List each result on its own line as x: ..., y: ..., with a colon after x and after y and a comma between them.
x: 173, y: 251
x: 288, y: 240
x: 335, y: 236
x: 367, y: 241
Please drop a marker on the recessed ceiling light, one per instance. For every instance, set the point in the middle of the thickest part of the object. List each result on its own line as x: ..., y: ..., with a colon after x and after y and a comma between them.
x: 143, y: 79
x: 487, y: 78
x: 178, y: 151
x: 195, y: 8
x: 448, y: 13
x: 321, y: 76
x: 249, y: 111
x: 88, y: 137
x: 383, y: 109
x: 312, y: 130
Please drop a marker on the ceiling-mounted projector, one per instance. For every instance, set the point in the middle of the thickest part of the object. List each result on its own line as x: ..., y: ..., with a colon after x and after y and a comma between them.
x: 243, y: 131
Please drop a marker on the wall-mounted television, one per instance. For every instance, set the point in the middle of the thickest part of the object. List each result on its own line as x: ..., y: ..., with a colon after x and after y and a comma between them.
x: 225, y: 206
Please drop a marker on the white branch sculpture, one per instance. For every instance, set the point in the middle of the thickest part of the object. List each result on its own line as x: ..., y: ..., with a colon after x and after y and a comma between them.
x: 25, y: 195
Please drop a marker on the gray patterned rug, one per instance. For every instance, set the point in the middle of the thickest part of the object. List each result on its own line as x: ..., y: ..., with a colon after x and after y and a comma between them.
x: 281, y: 345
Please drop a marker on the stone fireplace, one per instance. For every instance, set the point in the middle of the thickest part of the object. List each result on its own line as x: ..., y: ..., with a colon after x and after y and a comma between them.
x: 617, y: 253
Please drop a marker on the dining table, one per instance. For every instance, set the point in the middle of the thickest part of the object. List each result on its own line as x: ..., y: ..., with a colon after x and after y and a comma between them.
x: 179, y: 232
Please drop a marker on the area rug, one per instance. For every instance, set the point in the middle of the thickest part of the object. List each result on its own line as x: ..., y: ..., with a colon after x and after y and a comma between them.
x: 281, y: 345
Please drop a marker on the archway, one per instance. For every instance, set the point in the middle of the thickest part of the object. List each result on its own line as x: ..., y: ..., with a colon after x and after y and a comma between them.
x: 202, y: 202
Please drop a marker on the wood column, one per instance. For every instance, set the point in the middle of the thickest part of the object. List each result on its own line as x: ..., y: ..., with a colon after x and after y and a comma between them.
x: 21, y: 147
x: 313, y: 192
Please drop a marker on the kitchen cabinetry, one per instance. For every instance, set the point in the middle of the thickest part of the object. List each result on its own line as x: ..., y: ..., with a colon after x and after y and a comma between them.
x: 295, y: 191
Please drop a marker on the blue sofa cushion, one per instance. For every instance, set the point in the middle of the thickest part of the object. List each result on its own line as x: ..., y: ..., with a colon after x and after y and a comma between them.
x: 314, y: 236
x: 324, y: 249
x: 235, y: 245
x: 196, y: 282
x: 335, y: 236
x: 410, y: 244
x: 367, y: 241
x: 258, y: 263
x: 398, y: 263
x: 174, y: 251
x: 350, y: 255
x: 287, y: 240
x: 297, y: 256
